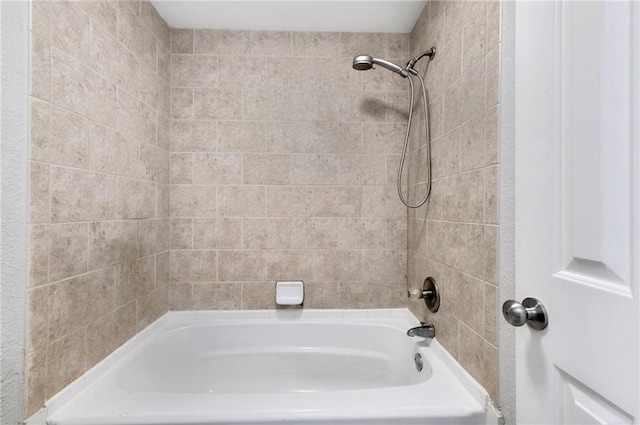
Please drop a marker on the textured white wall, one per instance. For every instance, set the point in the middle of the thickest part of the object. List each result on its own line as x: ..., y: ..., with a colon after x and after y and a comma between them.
x: 506, y: 243
x: 14, y: 16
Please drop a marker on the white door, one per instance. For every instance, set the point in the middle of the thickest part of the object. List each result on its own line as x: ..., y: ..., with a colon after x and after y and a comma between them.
x: 578, y: 210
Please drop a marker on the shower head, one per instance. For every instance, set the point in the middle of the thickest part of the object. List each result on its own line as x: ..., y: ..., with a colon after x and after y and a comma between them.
x: 364, y: 63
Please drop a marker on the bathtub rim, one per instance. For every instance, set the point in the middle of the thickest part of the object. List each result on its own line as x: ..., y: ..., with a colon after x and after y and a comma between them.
x: 176, y: 319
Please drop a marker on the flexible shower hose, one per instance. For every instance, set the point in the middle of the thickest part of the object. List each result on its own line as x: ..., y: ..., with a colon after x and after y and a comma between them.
x: 406, y: 141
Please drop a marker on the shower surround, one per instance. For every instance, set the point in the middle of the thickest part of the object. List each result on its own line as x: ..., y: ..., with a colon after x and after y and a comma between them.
x: 282, y: 168
x: 454, y: 237
x: 99, y: 185
x: 178, y: 169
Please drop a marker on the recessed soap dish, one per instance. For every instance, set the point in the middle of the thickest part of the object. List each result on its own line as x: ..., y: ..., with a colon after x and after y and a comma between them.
x: 289, y: 292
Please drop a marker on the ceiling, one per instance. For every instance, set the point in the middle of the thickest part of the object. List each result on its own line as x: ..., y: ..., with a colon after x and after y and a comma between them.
x: 299, y: 15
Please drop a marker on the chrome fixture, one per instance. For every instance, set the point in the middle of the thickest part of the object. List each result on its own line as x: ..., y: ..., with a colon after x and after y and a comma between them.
x: 424, y: 330
x: 531, y: 312
x: 429, y: 293
x: 364, y: 63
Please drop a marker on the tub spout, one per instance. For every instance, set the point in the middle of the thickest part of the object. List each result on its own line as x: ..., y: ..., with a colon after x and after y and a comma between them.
x: 424, y: 330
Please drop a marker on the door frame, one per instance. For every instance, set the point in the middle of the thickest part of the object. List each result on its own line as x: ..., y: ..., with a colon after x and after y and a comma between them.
x: 507, y: 208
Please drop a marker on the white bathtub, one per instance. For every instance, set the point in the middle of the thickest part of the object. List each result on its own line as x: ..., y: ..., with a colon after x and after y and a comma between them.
x: 290, y: 366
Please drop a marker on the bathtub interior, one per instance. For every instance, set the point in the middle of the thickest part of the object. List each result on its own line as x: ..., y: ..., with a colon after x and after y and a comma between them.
x: 252, y: 359
x: 272, y: 367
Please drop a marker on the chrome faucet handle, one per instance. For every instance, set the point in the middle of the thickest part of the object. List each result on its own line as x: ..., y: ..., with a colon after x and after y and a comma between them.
x: 429, y: 293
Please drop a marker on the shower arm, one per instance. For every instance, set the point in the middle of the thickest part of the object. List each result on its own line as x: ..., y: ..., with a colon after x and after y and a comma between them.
x: 431, y: 53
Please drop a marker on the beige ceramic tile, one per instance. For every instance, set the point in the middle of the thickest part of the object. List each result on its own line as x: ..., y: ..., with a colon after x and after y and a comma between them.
x: 181, y: 168
x: 79, y: 89
x: 217, y: 296
x: 258, y: 295
x: 314, y: 137
x: 193, y: 266
x: 38, y: 255
x: 241, y: 136
x: 70, y: 28
x: 78, y: 195
x: 68, y: 250
x: 194, y: 136
x: 471, y: 259
x: 135, y: 198
x: 34, y: 382
x: 217, y: 233
x: 309, y: 201
x: 154, y: 91
x: 38, y: 307
x: 366, y: 233
x: 471, y: 355
x: 315, y: 232
x: 162, y: 269
x: 78, y: 300
x: 218, y: 42
x: 271, y: 169
x: 372, y: 44
x: 446, y: 154
x: 66, y: 361
x: 134, y: 279
x: 151, y: 306
x: 112, y: 242
x: 217, y: 104
x: 154, y: 236
x: 491, y: 370
x: 490, y: 310
x: 490, y: 253
x: 194, y: 71
x: 267, y: 43
x: 242, y: 265
x: 241, y: 201
x: 493, y: 76
x: 180, y: 296
x: 40, y: 129
x: 383, y: 265
x: 338, y: 265
x: 181, y: 40
x: 181, y: 233
x: 136, y: 120
x: 40, y: 68
x: 193, y: 201
x: 109, y: 332
x: 114, y: 61
x: 291, y: 264
x: 39, y: 186
x: 321, y: 295
x: 154, y: 163
x: 181, y: 103
x: 491, y: 195
x: 41, y: 18
x: 266, y: 233
x: 315, y: 44
x: 217, y: 169
x: 111, y: 152
x: 103, y: 13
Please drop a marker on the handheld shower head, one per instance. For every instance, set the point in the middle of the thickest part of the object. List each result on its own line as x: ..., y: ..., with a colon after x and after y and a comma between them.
x: 364, y: 63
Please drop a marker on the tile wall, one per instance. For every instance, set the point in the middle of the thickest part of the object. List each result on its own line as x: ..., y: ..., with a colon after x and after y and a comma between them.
x: 453, y: 237
x: 191, y: 169
x: 283, y: 164
x: 99, y: 185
